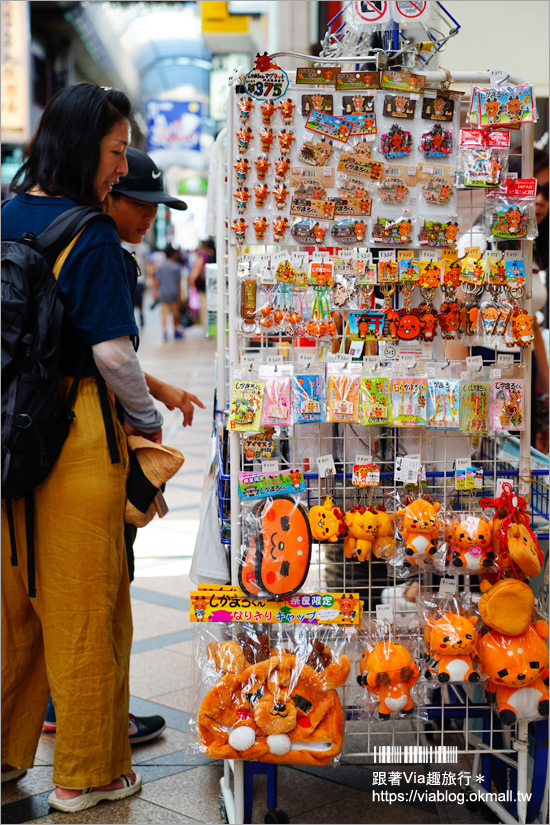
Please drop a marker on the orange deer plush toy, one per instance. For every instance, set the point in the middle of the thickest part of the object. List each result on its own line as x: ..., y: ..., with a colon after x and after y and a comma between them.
x: 451, y: 642
x: 389, y: 672
x: 419, y: 529
x: 516, y: 667
x: 472, y: 544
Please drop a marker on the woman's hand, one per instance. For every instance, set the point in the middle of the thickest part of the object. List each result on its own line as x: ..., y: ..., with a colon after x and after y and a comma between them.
x: 174, y: 398
x: 156, y: 437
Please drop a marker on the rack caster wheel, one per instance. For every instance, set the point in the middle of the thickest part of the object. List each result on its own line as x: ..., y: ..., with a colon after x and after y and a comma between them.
x: 276, y: 816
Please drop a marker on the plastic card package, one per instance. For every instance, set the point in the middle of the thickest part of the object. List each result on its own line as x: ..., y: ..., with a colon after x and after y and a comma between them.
x: 450, y: 627
x: 307, y: 397
x: 375, y: 405
x: 472, y: 546
x: 443, y: 393
x: 343, y: 391
x: 507, y: 402
x: 502, y: 106
x: 268, y: 693
x: 493, y: 322
x: 246, y: 405
x: 389, y: 671
x: 276, y: 542
x: 420, y: 533
x: 409, y: 401
x: 277, y: 403
x: 474, y: 402
x: 511, y: 216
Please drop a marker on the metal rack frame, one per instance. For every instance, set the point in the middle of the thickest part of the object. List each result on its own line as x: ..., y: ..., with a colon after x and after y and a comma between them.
x: 533, y: 485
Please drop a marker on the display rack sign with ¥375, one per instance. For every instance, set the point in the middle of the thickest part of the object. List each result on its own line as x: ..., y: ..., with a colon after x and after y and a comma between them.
x: 232, y: 605
x: 268, y: 85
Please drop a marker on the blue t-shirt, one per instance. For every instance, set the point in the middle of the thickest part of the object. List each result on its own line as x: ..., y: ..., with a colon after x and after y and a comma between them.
x: 93, y: 282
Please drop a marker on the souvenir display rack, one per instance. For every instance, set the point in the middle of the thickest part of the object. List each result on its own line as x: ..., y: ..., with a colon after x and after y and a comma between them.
x: 300, y: 445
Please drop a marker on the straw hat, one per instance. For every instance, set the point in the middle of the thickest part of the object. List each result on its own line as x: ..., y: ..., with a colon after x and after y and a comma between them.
x: 151, y: 466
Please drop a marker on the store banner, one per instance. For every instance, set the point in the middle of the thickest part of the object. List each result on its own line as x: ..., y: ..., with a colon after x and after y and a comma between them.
x: 174, y: 125
x: 15, y: 72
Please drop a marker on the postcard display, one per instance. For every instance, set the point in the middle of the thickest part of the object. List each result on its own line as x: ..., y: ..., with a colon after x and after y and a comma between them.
x: 350, y: 430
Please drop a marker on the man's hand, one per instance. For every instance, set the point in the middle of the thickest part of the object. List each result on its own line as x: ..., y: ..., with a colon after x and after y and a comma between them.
x: 156, y: 437
x: 174, y: 398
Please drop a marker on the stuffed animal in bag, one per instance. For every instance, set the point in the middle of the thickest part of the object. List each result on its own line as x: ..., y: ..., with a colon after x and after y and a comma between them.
x: 419, y: 529
x: 389, y: 672
x: 507, y: 606
x: 327, y: 521
x: 362, y: 525
x: 516, y: 667
x: 279, y: 710
x: 472, y: 550
x: 385, y: 534
x: 451, y: 642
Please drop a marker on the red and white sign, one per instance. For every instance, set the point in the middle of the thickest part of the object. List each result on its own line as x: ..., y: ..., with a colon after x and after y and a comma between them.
x: 479, y: 137
x: 370, y: 11
x: 410, y: 10
x: 522, y: 187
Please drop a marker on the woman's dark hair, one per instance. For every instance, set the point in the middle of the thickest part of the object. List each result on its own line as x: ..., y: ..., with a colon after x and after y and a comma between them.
x: 62, y: 157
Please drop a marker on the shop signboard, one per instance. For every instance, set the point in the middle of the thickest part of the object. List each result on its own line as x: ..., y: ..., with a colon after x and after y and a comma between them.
x: 174, y: 124
x: 15, y: 72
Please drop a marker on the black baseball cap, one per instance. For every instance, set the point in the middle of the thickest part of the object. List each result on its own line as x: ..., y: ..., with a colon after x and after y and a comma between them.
x: 144, y: 181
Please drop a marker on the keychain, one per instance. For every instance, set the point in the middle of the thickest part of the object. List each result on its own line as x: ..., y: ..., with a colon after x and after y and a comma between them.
x: 308, y: 398
x: 276, y: 405
x: 375, y: 401
x: 522, y: 328
x: 248, y: 304
x: 343, y: 396
x: 474, y: 406
x: 507, y: 404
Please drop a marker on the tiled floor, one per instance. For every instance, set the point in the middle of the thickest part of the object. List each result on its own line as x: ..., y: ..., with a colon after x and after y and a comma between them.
x: 176, y: 788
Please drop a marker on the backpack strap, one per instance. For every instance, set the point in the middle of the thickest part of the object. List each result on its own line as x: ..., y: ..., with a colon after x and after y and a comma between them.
x: 29, y: 528
x: 53, y: 240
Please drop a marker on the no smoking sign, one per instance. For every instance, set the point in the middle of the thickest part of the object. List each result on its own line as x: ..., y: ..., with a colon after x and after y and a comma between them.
x: 370, y: 11
x: 404, y: 10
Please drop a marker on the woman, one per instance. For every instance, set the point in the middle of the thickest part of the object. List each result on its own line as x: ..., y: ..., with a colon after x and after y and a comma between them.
x: 76, y: 635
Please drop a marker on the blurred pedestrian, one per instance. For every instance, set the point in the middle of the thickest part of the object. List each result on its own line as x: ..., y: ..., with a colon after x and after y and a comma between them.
x: 167, y: 289
x: 206, y: 254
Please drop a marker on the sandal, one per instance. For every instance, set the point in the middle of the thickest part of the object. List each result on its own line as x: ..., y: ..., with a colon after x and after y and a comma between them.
x: 89, y: 798
x: 13, y: 773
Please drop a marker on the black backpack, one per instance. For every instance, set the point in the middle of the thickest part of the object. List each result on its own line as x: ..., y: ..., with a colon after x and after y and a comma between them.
x: 35, y: 420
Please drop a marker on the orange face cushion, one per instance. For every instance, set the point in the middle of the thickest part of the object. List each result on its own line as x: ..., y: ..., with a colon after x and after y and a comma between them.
x: 523, y: 550
x: 507, y: 607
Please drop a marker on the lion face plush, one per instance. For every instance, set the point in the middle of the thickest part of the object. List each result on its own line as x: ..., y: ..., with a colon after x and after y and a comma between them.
x: 472, y: 550
x: 452, y: 644
x: 280, y: 710
x: 419, y: 529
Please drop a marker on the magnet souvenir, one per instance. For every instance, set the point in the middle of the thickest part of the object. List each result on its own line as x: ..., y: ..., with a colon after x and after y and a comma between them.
x: 509, y: 222
x: 287, y: 111
x: 280, y: 193
x: 315, y: 154
x: 262, y: 166
x: 260, y: 225
x: 242, y: 168
x: 281, y: 168
x: 361, y: 124
x: 266, y: 139
x: 393, y: 189
x: 316, y: 101
x: 394, y: 231
x: 396, y: 143
x: 437, y: 191
x: 349, y: 231
x: 437, y: 142
x: 440, y: 234
x: 239, y: 228
x: 244, y: 136
x: 438, y: 108
x: 261, y: 192
x: 242, y: 196
x: 285, y: 141
x: 268, y: 108
x: 357, y: 104
x: 280, y: 225
x: 307, y: 231
x: 399, y: 106
x: 359, y: 163
x: 245, y: 106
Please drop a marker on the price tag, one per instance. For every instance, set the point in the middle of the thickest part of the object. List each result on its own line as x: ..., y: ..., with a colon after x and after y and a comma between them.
x: 237, y: 374
x: 386, y: 255
x: 408, y: 357
x: 306, y: 357
x: 447, y: 586
x: 342, y: 356
x: 363, y: 459
x: 511, y: 255
x: 384, y: 613
x: 299, y: 261
x: 473, y: 252
x: 278, y: 258
x: 270, y: 466
x: 498, y: 76
x: 267, y: 278
x: 496, y: 373
x: 371, y: 359
x: 500, y: 482
x: 326, y: 466
x: 474, y: 362
x: 274, y: 359
x: 356, y: 349
x: 431, y: 372
x: 429, y: 170
x: 412, y: 170
x: 505, y: 359
x: 320, y: 257
x: 411, y: 468
x: 430, y: 255
x: 346, y: 254
x: 249, y: 360
x: 462, y: 463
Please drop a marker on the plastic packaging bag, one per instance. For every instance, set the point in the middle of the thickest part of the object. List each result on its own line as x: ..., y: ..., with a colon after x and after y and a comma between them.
x: 510, y: 210
x: 268, y: 693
